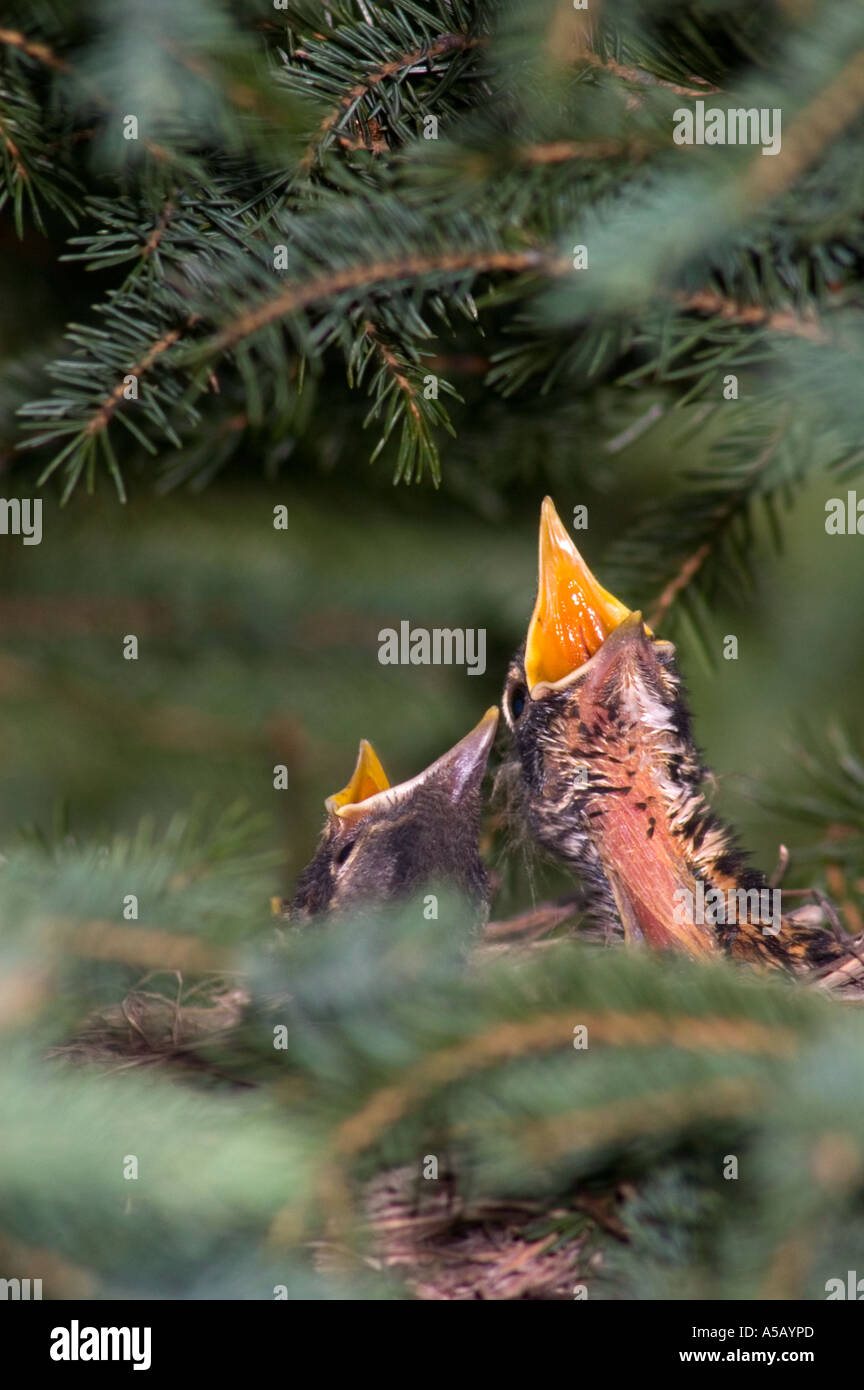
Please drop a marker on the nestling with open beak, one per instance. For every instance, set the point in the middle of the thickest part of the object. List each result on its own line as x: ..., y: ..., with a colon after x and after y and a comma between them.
x: 611, y: 776
x: 382, y: 843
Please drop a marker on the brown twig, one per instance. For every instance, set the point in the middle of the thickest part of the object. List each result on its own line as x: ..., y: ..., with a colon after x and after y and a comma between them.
x: 393, y: 366
x: 833, y: 975
x: 709, y: 302
x: 14, y: 154
x: 158, y: 231
x: 505, y: 1041
x: 40, y: 51
x: 458, y: 363
x: 780, y: 870
x: 646, y: 79
x: 752, y: 315
x: 447, y: 43
x: 376, y: 142
x: 145, y: 947
x: 296, y: 297
x: 633, y: 1118
x: 694, y: 562
x: 687, y: 572
x: 109, y: 405
x: 820, y: 121
x: 560, y: 151
x: 535, y: 922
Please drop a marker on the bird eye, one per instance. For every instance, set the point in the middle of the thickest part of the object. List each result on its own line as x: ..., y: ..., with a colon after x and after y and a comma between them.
x: 344, y: 852
x: 517, y: 701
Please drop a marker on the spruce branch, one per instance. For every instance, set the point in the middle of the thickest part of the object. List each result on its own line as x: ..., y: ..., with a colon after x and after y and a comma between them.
x: 106, y: 409
x: 548, y: 1033
x: 702, y: 534
x: 722, y: 517
x: 364, y: 215
x: 785, y: 321
x: 831, y: 803
x: 81, y: 413
x: 395, y: 67
x: 643, y: 77
x: 400, y: 397
x: 33, y: 48
x: 30, y: 178
x: 371, y: 275
x: 561, y: 151
x: 822, y: 120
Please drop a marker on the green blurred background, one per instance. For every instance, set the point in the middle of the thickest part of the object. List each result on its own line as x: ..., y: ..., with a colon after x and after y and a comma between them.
x: 259, y: 647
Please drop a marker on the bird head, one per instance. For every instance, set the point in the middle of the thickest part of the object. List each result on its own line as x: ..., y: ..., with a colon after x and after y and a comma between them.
x: 590, y: 670
x: 382, y: 843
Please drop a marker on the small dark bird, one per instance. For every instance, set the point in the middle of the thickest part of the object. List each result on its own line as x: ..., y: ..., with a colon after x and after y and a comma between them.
x: 381, y: 843
x: 611, y: 778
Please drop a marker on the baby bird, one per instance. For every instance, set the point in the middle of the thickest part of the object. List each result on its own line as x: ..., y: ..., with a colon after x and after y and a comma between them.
x: 381, y: 843
x: 612, y: 779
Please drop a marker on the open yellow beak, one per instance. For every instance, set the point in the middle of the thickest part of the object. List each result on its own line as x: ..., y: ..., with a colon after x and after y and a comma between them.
x: 573, y: 615
x: 367, y: 779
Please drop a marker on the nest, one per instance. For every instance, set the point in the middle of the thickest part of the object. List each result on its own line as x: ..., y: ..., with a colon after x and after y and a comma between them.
x: 445, y: 1248
x: 439, y: 1244
x: 150, y: 1029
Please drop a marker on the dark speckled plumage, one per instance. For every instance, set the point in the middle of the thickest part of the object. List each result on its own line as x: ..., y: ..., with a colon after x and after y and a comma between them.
x: 423, y: 832
x: 611, y: 782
